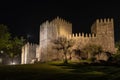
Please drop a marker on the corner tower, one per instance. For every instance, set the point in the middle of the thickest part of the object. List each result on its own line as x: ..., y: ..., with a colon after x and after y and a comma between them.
x: 49, y: 31
x: 104, y: 30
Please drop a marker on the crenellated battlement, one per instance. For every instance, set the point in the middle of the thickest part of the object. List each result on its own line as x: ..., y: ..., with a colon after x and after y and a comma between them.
x: 108, y: 20
x: 30, y: 44
x: 45, y: 23
x: 83, y: 35
x: 28, y: 52
x: 56, y: 21
x: 102, y: 26
x: 102, y: 33
x: 59, y: 20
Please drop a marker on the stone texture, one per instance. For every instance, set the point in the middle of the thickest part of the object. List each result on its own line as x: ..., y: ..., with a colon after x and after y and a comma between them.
x: 102, y: 33
x: 28, y: 53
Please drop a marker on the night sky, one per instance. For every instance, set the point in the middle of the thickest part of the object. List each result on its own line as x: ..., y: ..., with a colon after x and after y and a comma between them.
x: 23, y: 18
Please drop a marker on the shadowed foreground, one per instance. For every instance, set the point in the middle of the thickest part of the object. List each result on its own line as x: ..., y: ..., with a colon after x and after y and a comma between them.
x: 53, y: 71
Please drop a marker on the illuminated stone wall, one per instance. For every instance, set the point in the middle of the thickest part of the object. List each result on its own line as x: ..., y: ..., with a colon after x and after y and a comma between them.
x: 82, y: 39
x: 102, y: 33
x: 28, y: 53
x: 50, y: 31
x: 104, y: 30
x: 64, y: 28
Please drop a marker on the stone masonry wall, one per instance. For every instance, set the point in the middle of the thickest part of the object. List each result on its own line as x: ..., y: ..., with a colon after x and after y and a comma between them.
x: 102, y: 33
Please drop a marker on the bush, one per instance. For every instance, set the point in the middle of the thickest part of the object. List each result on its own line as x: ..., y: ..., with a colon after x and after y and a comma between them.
x: 114, y: 59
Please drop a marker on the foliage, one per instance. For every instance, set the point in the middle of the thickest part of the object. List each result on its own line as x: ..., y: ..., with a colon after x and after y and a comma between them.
x: 9, y: 45
x: 63, y: 44
x: 4, y: 37
x: 92, y: 50
x: 77, y: 49
x: 14, y: 48
x: 117, y: 45
x: 115, y: 58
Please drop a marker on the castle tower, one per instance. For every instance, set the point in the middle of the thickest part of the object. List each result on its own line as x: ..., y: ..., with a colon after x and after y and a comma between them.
x: 28, y: 53
x: 50, y: 31
x: 102, y: 34
x: 64, y: 27
x: 104, y: 30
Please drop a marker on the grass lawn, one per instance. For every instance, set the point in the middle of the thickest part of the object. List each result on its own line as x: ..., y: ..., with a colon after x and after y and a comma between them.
x: 58, y: 71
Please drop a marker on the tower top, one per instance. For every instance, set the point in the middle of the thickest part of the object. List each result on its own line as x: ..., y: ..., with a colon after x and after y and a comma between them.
x: 105, y: 20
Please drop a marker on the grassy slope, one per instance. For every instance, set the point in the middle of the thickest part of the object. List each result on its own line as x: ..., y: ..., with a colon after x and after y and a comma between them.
x: 48, y: 71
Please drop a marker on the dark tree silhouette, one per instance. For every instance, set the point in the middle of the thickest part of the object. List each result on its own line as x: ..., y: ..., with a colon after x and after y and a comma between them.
x: 63, y: 44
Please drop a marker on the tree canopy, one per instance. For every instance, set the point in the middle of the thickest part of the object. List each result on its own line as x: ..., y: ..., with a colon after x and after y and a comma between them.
x: 4, y: 36
x: 92, y: 50
x: 10, y: 46
x: 63, y: 44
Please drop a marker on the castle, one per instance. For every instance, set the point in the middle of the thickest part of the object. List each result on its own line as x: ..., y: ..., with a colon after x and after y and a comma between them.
x: 102, y: 33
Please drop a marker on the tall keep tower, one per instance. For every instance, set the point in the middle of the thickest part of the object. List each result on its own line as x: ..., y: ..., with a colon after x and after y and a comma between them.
x: 102, y: 34
x: 104, y: 30
x: 49, y: 31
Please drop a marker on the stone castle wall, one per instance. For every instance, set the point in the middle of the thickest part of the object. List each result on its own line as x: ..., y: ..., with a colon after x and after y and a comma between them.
x: 28, y: 53
x: 104, y: 30
x: 102, y: 33
x: 64, y: 27
x: 82, y: 39
x: 50, y: 31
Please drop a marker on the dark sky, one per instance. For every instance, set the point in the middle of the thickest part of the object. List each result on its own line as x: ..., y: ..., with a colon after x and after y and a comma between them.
x: 24, y: 17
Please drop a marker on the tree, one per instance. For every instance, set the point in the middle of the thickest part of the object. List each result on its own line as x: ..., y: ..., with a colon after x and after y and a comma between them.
x: 115, y: 58
x: 14, y: 48
x: 117, y: 45
x: 4, y: 40
x: 63, y: 44
x: 11, y: 46
x: 92, y: 50
x: 77, y: 50
x: 4, y: 36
